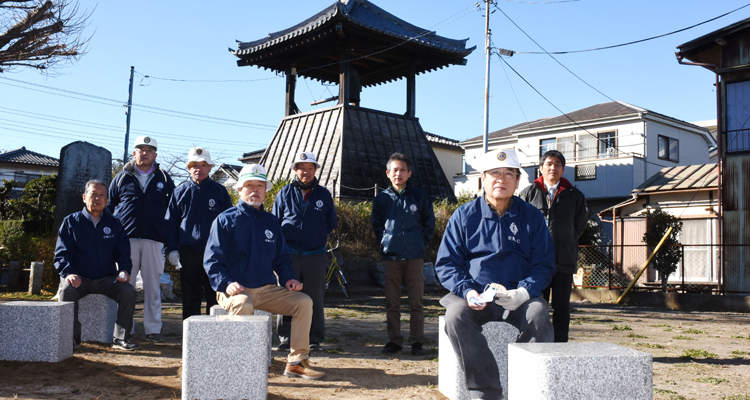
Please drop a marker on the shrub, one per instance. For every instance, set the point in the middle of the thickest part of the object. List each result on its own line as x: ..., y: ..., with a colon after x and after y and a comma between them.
x: 24, y: 247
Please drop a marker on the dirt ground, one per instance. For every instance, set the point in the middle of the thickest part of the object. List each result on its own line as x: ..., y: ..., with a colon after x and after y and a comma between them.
x: 696, y: 356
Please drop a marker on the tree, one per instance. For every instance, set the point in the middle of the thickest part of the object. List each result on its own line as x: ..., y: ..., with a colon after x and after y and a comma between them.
x: 5, y: 191
x: 666, y: 260
x: 40, y: 33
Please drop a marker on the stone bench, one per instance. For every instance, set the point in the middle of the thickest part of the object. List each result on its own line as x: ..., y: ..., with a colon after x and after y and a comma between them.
x: 451, y: 377
x: 578, y: 371
x: 36, y: 331
x: 97, y: 314
x: 225, y: 357
x: 217, y: 310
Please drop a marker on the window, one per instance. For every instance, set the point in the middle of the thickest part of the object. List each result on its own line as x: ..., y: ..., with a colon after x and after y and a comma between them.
x: 738, y: 117
x: 22, y: 179
x: 669, y: 148
x: 585, y: 172
x: 567, y: 146
x: 546, y: 145
x: 607, y: 143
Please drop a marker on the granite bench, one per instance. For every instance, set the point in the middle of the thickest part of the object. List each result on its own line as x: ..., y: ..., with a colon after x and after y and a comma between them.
x: 578, y: 371
x: 97, y: 314
x: 36, y: 331
x: 451, y: 377
x: 217, y: 310
x: 225, y: 357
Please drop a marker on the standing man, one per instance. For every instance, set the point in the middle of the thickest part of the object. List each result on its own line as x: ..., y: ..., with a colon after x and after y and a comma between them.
x: 307, y: 216
x: 404, y: 223
x: 244, y: 255
x: 193, y: 207
x: 93, y: 256
x: 138, y: 197
x: 497, y: 238
x: 567, y: 214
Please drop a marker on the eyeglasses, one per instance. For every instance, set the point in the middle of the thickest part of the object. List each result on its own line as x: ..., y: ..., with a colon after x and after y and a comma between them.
x: 148, y: 150
x: 505, y: 175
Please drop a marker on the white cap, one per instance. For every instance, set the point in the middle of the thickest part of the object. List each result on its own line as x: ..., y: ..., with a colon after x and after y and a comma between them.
x: 305, y: 156
x: 499, y: 158
x: 198, y: 154
x: 145, y: 141
x: 253, y: 172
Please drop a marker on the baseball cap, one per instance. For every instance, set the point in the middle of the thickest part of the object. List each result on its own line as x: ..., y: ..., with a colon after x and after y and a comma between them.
x: 252, y: 172
x: 499, y: 158
x: 305, y: 156
x: 198, y: 154
x: 145, y: 141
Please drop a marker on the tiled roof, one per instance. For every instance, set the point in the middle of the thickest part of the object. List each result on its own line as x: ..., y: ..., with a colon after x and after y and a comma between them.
x: 23, y: 156
x: 437, y: 139
x: 252, y: 154
x: 684, y: 177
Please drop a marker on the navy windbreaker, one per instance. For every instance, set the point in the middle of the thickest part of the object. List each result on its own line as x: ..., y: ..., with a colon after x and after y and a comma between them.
x: 305, y: 225
x: 246, y: 246
x: 191, y: 211
x: 141, y: 213
x: 479, y: 247
x: 403, y: 222
x: 91, y: 252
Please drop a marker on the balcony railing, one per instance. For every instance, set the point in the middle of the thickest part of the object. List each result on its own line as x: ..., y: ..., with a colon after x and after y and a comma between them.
x: 585, y: 150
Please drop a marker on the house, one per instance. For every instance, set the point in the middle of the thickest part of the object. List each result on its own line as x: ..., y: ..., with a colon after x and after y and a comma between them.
x: 687, y: 192
x: 227, y: 175
x: 23, y: 165
x: 610, y: 148
x: 725, y: 53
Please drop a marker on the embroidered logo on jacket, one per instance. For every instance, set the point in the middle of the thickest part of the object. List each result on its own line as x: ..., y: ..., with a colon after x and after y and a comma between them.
x: 211, y: 203
x: 160, y: 185
x: 413, y: 208
x: 514, y: 230
x: 107, y: 230
x: 269, y: 237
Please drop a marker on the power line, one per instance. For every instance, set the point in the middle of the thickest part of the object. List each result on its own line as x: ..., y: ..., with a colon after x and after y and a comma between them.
x: 636, y: 41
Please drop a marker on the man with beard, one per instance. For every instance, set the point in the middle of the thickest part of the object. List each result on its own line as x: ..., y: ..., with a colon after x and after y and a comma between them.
x: 307, y: 216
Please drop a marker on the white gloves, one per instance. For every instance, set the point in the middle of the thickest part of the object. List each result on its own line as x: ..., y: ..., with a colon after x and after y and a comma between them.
x: 174, y: 257
x: 512, y: 299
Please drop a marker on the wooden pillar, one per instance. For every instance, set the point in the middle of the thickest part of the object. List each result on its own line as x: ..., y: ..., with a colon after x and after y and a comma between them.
x: 344, y: 75
x: 291, y: 81
x: 411, y: 91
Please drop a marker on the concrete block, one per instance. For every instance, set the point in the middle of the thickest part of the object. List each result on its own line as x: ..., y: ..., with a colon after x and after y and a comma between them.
x: 97, y: 314
x: 36, y: 331
x: 208, y: 341
x: 217, y: 310
x: 578, y: 371
x: 451, y: 377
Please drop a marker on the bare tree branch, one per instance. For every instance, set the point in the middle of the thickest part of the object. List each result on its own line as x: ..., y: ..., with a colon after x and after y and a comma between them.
x: 41, y: 33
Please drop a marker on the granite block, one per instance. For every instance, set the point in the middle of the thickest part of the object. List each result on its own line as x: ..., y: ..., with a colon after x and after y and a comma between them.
x: 217, y: 310
x: 578, y: 371
x: 36, y: 331
x: 451, y: 377
x: 97, y: 314
x: 225, y: 357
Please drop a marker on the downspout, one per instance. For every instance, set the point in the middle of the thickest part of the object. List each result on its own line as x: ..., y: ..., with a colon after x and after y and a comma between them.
x: 719, y: 162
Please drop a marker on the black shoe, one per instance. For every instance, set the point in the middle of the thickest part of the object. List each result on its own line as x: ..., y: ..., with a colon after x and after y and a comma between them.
x: 123, y: 344
x: 283, y: 347
x: 154, y: 337
x: 316, y: 347
x: 391, y: 348
x: 416, y: 349
x: 76, y: 343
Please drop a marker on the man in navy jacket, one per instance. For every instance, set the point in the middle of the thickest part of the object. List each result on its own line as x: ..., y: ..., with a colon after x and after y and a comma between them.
x: 93, y: 256
x: 307, y: 216
x: 244, y: 255
x: 404, y: 222
x: 193, y: 207
x: 497, y: 238
x: 138, y: 197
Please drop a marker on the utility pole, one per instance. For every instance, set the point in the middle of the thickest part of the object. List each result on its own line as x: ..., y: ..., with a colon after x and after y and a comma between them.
x: 488, y: 53
x: 127, y: 113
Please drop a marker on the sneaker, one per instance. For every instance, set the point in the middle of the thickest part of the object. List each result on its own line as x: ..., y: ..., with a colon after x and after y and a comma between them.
x: 391, y: 348
x: 154, y: 337
x: 416, y: 349
x: 316, y: 347
x: 303, y: 370
x: 123, y: 344
x: 283, y: 347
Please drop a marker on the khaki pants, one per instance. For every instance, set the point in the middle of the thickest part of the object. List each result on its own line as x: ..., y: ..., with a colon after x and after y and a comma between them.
x: 276, y: 300
x: 412, y: 272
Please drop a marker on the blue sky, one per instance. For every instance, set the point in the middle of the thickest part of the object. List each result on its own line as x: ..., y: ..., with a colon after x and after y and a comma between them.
x: 190, y: 41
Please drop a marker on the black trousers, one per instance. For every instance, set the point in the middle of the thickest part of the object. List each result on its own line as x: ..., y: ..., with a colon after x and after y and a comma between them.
x: 311, y: 271
x: 121, y: 292
x: 561, y: 285
x: 194, y: 282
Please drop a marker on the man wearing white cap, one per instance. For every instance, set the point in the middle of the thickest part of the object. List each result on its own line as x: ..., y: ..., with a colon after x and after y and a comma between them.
x: 307, y: 216
x: 138, y: 197
x: 194, y: 206
x: 496, y: 239
x: 245, y: 253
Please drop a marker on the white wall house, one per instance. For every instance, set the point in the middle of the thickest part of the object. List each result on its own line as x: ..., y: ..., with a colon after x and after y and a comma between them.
x: 23, y: 165
x: 610, y: 149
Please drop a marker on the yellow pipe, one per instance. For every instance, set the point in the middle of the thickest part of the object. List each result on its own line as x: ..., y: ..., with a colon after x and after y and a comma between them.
x: 638, y: 275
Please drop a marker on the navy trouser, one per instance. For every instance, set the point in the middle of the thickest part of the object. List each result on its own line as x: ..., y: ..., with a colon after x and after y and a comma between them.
x: 561, y: 285
x: 464, y: 328
x: 311, y: 271
x: 194, y: 282
x: 121, y: 292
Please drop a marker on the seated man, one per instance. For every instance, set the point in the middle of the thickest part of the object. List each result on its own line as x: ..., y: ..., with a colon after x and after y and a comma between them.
x: 244, y: 250
x: 92, y: 247
x: 497, y: 238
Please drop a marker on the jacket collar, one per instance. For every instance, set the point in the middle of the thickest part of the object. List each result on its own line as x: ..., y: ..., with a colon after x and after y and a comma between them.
x: 247, y: 209
x: 489, y: 213
x: 130, y: 167
x: 564, y: 184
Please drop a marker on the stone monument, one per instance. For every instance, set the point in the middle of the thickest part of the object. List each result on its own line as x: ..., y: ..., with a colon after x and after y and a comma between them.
x: 79, y: 162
